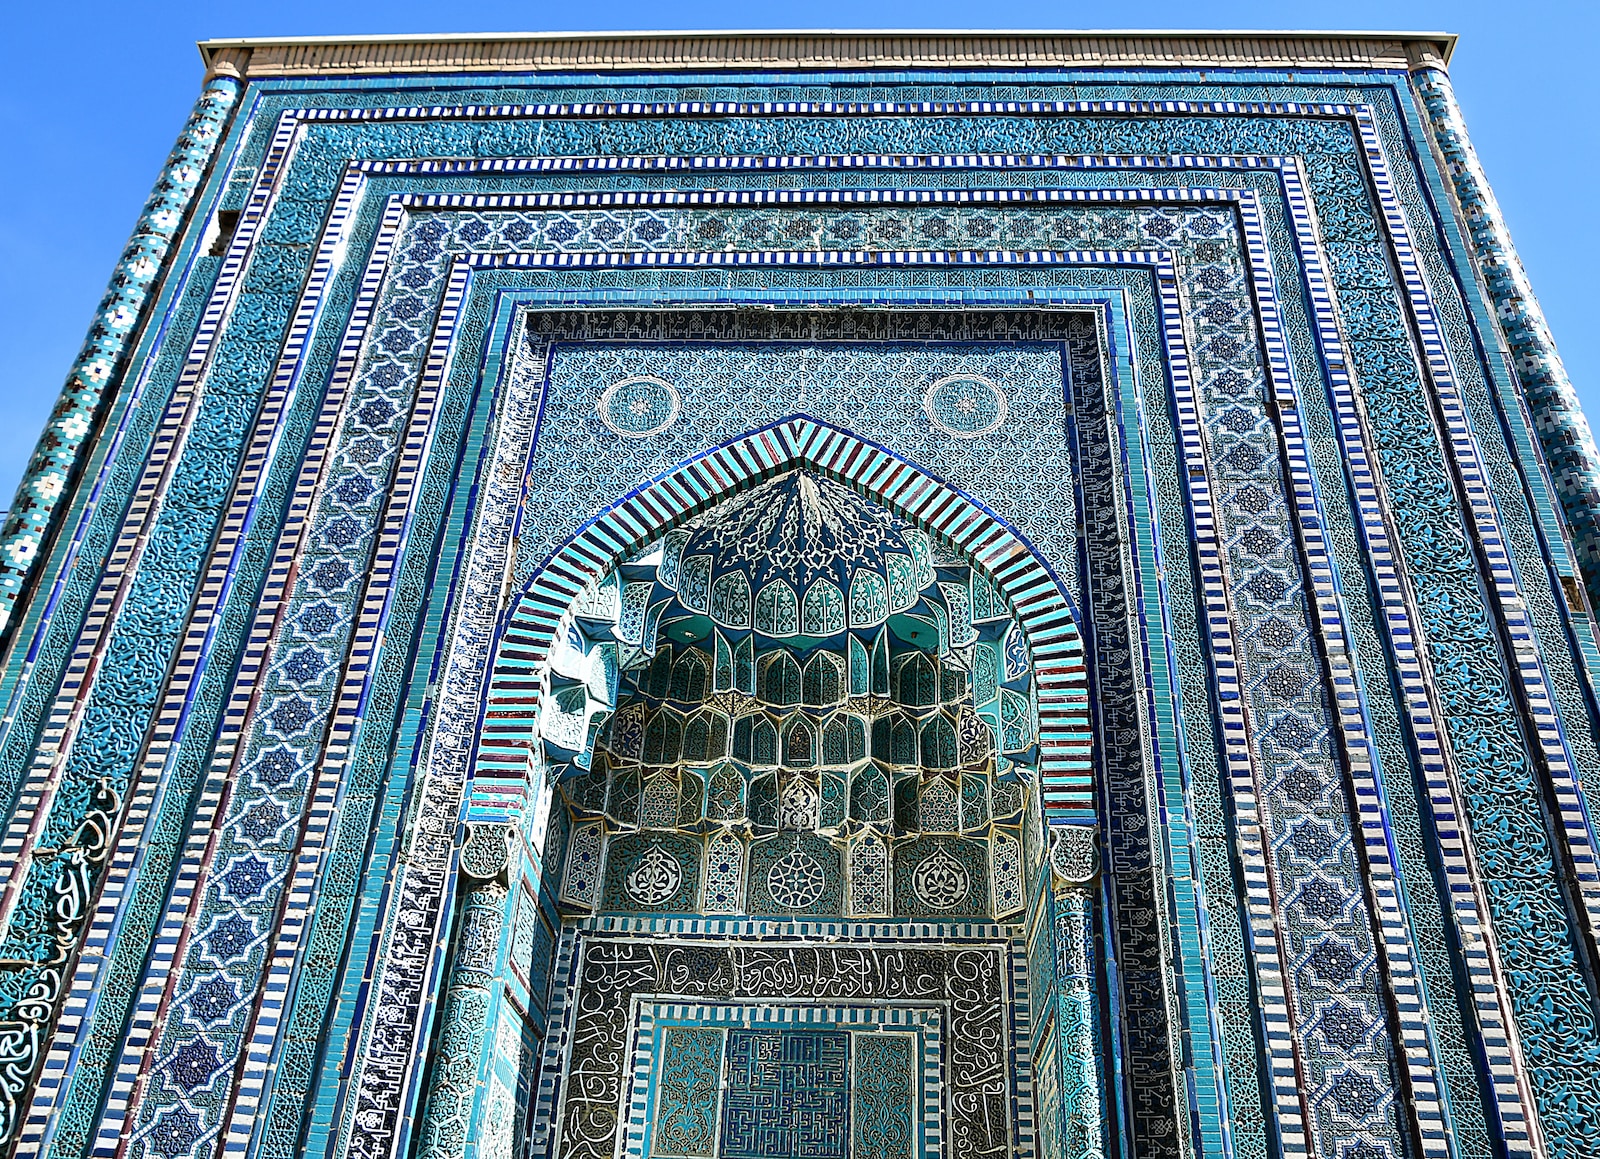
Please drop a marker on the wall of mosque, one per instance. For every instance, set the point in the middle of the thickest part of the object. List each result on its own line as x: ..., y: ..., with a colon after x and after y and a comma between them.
x: 843, y: 597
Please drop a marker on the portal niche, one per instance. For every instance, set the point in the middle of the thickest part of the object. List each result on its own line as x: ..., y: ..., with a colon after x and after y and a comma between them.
x: 805, y: 902
x: 798, y: 708
x: 805, y: 709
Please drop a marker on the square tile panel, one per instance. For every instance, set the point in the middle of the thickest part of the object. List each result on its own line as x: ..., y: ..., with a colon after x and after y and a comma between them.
x: 788, y: 1095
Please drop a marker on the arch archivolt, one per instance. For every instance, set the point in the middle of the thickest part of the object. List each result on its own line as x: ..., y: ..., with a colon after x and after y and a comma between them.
x: 561, y: 590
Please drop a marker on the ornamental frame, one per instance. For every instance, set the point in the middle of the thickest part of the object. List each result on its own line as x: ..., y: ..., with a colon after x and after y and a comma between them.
x: 448, y: 313
x: 1568, y: 815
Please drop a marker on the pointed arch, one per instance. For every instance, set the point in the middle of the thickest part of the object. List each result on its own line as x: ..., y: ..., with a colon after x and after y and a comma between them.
x: 1010, y: 565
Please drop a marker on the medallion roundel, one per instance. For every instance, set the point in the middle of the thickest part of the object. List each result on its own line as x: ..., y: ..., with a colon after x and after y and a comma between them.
x: 654, y: 877
x: 639, y: 407
x: 795, y: 880
x: 966, y: 405
x: 941, y: 882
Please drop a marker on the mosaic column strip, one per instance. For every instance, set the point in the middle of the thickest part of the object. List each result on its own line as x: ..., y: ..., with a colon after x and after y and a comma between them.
x: 463, y: 720
x: 1572, y: 821
x: 148, y: 798
x: 351, y: 536
x: 100, y: 364
x: 1074, y: 1014
x: 1293, y: 1114
x: 446, y: 1119
x: 1131, y: 881
x: 287, y: 1047
x: 390, y: 547
x: 1215, y: 1102
x: 1401, y: 626
x: 1397, y: 961
x: 61, y: 769
x: 408, y: 958
x: 1564, y: 432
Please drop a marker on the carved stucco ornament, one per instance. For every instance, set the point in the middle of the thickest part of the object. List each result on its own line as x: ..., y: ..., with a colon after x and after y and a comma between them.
x: 486, y: 853
x: 1074, y: 857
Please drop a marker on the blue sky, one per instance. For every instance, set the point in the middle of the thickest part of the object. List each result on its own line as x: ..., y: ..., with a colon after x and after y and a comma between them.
x: 92, y: 94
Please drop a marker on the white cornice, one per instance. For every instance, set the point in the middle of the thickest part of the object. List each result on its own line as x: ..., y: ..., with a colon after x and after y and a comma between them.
x: 844, y: 50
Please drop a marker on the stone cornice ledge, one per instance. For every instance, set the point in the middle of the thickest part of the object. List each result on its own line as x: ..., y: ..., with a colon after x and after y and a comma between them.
x: 262, y: 57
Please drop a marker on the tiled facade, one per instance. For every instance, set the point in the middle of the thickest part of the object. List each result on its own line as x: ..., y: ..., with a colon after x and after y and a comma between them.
x: 812, y: 596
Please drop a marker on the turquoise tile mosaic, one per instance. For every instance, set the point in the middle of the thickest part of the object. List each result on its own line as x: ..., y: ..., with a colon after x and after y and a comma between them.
x: 723, y: 607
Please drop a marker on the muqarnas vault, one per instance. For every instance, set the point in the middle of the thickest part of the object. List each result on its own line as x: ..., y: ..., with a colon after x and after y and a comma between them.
x: 808, y: 595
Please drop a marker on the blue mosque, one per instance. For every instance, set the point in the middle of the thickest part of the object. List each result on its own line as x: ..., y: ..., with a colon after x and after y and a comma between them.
x: 817, y: 595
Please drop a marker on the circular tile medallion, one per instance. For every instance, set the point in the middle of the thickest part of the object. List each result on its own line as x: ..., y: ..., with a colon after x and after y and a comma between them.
x: 966, y: 405
x: 639, y: 407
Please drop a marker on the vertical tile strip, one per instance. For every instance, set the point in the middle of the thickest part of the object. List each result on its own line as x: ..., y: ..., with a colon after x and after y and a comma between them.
x: 327, y: 785
x: 1400, y: 623
x: 1134, y: 824
x: 60, y: 729
x: 1284, y: 1079
x: 189, y: 884
x: 148, y: 794
x: 43, y: 779
x: 1392, y: 933
x: 99, y: 366
x: 1572, y: 822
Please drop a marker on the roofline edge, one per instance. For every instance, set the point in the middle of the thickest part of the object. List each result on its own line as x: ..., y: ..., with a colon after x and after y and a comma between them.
x: 819, y: 49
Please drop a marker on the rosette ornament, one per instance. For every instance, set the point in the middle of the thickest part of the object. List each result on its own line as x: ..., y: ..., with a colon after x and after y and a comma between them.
x: 800, y: 556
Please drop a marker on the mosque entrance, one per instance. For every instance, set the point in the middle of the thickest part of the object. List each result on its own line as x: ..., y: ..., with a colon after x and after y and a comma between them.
x: 820, y: 733
x: 795, y: 838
